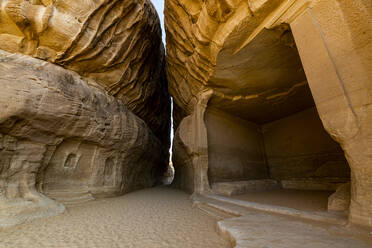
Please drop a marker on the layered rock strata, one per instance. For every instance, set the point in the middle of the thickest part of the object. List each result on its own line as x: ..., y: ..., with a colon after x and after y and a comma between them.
x: 115, y: 43
x: 92, y: 119
x: 58, y: 133
x: 272, y: 89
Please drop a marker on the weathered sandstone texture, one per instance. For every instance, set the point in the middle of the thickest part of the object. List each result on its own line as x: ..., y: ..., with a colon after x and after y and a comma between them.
x: 273, y: 89
x: 340, y: 200
x: 60, y: 134
x: 115, y: 43
x: 92, y: 120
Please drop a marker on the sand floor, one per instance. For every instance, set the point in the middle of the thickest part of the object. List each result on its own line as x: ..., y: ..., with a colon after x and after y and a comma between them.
x: 158, y: 217
x: 307, y: 200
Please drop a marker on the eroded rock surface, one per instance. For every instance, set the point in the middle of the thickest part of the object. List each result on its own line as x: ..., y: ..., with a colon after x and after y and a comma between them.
x: 340, y: 200
x: 259, y: 119
x: 288, y: 97
x: 115, y: 43
x: 58, y: 133
x: 92, y: 119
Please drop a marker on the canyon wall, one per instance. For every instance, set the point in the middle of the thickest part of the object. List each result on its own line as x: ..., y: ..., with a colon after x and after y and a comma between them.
x: 263, y: 62
x: 85, y: 107
x: 117, y: 44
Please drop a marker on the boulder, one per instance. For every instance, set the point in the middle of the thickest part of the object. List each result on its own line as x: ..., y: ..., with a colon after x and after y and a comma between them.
x: 340, y: 200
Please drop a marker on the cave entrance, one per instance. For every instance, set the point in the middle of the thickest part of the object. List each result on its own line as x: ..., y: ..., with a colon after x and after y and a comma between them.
x: 266, y: 142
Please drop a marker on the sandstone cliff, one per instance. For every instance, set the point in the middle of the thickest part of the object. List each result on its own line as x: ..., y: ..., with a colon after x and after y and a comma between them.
x: 272, y: 89
x: 115, y: 43
x: 85, y: 109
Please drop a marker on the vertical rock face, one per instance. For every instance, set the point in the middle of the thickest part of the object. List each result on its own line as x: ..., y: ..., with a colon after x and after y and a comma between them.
x: 115, y: 43
x: 274, y: 109
x: 92, y: 119
x: 340, y: 80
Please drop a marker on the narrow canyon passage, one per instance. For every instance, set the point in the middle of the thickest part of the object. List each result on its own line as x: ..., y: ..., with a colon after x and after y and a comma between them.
x: 185, y: 124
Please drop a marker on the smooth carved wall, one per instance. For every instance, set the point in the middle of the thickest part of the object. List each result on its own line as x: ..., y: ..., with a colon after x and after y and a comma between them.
x: 235, y: 148
x: 294, y: 147
x: 299, y: 147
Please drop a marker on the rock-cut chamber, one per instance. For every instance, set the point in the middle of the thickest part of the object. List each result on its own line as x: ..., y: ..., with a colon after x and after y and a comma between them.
x: 263, y: 125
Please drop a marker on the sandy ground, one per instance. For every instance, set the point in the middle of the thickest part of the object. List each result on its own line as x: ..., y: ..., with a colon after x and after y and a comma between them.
x: 158, y: 217
x: 307, y: 200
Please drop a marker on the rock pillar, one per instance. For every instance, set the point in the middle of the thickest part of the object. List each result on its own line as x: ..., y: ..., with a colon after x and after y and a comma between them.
x: 336, y: 55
